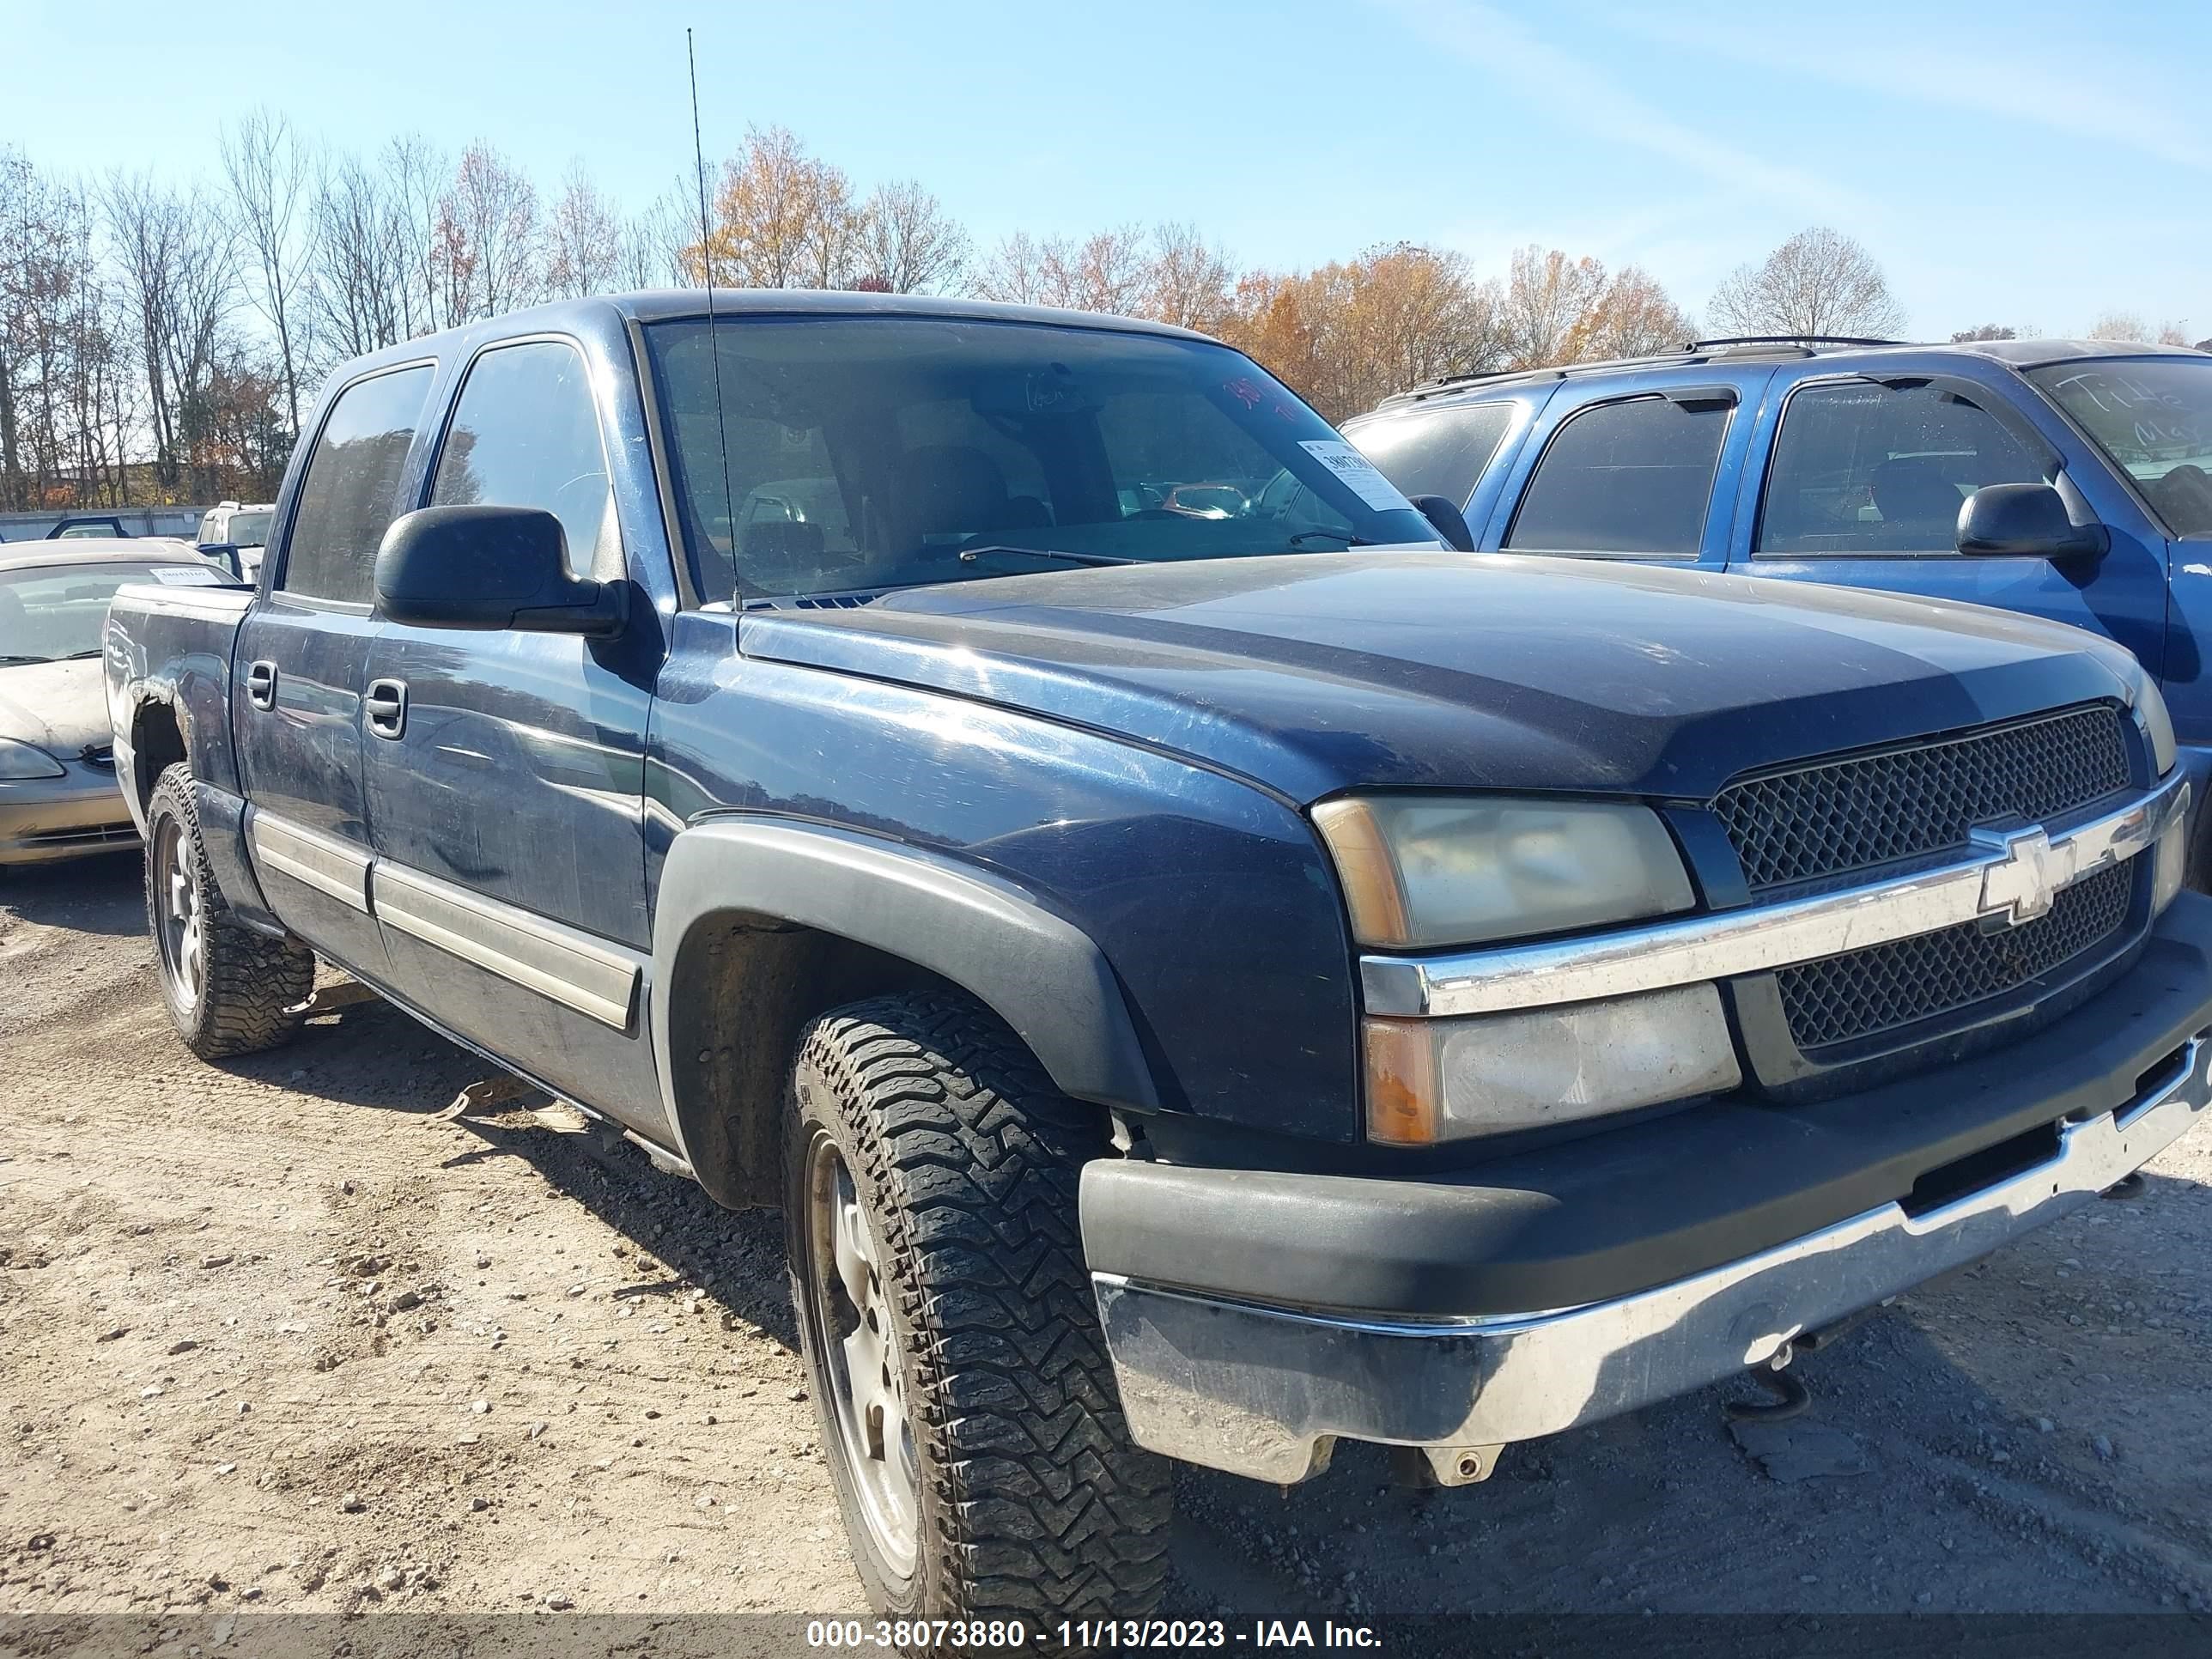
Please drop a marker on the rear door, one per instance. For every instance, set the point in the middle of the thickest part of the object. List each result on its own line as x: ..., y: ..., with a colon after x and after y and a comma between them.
x: 505, y: 770
x: 301, y: 665
x: 1637, y: 466
x: 1858, y: 482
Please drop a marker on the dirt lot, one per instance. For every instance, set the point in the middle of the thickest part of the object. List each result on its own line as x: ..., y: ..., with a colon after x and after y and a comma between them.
x: 276, y: 1334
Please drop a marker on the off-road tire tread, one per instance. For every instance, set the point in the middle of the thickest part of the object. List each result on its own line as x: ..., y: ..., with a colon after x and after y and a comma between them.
x: 1049, y: 1511
x: 248, y: 980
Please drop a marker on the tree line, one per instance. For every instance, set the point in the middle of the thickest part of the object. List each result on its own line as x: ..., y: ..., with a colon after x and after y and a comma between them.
x: 160, y: 342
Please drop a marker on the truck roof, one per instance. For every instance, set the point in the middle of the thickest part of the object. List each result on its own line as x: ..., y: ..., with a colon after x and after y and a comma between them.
x: 2019, y: 354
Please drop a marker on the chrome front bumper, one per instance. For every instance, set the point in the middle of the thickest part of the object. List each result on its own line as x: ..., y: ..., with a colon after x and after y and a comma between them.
x: 1265, y: 1392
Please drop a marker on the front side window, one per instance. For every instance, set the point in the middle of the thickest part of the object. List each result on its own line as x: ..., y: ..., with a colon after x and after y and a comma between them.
x: 861, y: 454
x: 351, y: 492
x: 1632, y: 477
x: 1862, y: 468
x: 53, y: 613
x: 2154, y: 421
x: 248, y: 529
x: 1436, y: 452
x: 526, y: 434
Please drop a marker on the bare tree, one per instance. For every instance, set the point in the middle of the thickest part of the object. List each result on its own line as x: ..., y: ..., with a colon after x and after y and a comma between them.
x: 1014, y: 274
x: 1986, y: 331
x: 2119, y: 325
x: 267, y: 170
x: 660, y: 246
x: 908, y: 240
x: 487, y: 237
x: 363, y: 262
x: 1549, y: 298
x: 1192, y: 284
x: 415, y: 172
x: 1634, y: 317
x: 583, y: 240
x: 176, y: 258
x: 1818, y: 282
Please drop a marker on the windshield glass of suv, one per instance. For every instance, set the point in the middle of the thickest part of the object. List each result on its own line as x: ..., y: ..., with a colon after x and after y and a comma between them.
x: 861, y: 454
x: 2154, y: 419
x: 249, y: 529
x: 52, y: 612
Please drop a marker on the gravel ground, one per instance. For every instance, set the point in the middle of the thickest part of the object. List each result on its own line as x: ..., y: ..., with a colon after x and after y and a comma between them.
x: 281, y: 1334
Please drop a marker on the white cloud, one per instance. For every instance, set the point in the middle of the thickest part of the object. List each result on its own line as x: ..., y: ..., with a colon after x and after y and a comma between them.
x: 1516, y: 58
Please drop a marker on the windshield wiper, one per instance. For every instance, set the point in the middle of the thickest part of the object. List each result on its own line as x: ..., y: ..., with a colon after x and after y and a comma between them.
x: 1300, y: 537
x: 79, y: 656
x: 969, y: 554
x: 9, y: 662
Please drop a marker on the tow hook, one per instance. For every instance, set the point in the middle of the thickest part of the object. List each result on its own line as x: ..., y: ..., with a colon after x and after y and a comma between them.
x: 1790, y: 1396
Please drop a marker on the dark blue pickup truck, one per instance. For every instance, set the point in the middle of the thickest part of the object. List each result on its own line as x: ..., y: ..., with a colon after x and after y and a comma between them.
x: 1205, y: 969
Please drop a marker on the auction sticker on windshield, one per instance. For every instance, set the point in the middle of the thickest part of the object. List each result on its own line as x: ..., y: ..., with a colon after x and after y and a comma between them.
x: 184, y: 575
x: 1357, y: 472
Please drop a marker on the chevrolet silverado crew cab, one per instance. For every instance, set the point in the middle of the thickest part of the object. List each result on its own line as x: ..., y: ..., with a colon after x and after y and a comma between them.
x: 2063, y: 478
x: 1206, y: 970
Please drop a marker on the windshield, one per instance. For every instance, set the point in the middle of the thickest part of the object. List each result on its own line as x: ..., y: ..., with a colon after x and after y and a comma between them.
x: 49, y: 613
x: 2154, y: 419
x: 248, y: 529
x: 861, y: 454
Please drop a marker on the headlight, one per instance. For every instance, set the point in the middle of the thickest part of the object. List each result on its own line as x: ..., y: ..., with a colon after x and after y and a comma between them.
x: 1445, y: 1079
x: 1424, y: 870
x: 20, y: 760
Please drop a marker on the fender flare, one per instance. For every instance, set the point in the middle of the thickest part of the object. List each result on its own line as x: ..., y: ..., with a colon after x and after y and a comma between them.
x: 1037, y: 971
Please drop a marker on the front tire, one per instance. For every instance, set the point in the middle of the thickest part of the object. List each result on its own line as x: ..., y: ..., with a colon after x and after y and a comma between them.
x: 967, y: 1406
x: 228, y: 989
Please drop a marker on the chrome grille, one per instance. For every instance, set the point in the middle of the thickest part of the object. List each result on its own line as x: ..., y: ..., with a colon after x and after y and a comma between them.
x: 1862, y: 992
x: 1906, y: 805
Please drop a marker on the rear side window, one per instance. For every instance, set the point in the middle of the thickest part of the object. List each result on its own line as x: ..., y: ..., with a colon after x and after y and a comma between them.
x: 351, y: 492
x: 524, y: 433
x: 1862, y: 468
x: 1439, y: 453
x: 1631, y: 477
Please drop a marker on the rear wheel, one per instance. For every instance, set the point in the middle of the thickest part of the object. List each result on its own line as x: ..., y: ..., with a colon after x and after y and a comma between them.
x: 228, y: 989
x: 967, y: 1406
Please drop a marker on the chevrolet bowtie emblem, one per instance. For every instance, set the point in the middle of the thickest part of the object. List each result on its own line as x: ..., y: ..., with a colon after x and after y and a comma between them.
x: 2019, y: 886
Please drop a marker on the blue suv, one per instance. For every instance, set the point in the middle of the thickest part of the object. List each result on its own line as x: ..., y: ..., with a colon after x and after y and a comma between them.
x: 2067, y: 479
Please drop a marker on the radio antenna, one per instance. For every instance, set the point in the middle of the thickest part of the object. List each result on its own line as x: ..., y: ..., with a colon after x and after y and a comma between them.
x: 713, y: 332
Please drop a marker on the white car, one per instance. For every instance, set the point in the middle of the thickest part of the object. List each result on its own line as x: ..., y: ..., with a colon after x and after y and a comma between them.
x: 58, y: 797
x: 241, y: 524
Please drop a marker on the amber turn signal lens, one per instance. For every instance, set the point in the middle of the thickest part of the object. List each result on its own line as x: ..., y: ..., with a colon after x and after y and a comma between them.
x: 1403, y: 1094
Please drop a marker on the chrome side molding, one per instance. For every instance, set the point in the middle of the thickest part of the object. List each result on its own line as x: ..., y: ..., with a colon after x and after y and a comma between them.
x: 575, y: 968
x: 310, y: 857
x: 2009, y: 878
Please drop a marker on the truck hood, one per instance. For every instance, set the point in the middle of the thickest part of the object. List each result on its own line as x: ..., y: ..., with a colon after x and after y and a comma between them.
x: 1314, y: 673
x: 62, y: 707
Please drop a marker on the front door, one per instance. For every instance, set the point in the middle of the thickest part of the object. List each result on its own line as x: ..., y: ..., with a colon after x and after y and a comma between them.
x: 301, y: 667
x: 1862, y: 488
x: 505, y: 770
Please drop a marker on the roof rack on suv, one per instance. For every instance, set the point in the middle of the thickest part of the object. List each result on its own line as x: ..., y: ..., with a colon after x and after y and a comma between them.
x: 1787, y: 339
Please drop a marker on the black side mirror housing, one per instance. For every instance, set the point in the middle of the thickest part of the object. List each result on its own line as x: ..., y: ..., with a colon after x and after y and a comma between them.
x: 1450, y: 523
x: 2027, y: 520
x: 491, y: 567
x: 227, y: 555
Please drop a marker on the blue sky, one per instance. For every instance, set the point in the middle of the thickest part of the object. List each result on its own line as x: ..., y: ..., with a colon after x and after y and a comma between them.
x: 2012, y: 163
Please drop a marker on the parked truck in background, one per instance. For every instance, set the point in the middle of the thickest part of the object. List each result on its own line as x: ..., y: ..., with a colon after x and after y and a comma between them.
x: 1204, y: 970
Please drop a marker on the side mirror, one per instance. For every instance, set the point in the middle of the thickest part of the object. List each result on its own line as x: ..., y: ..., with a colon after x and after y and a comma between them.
x: 491, y: 567
x: 2027, y: 520
x: 1450, y: 522
x: 227, y: 555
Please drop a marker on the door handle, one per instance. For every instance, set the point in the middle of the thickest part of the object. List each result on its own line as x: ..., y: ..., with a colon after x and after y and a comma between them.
x: 261, y: 684
x: 386, y: 702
